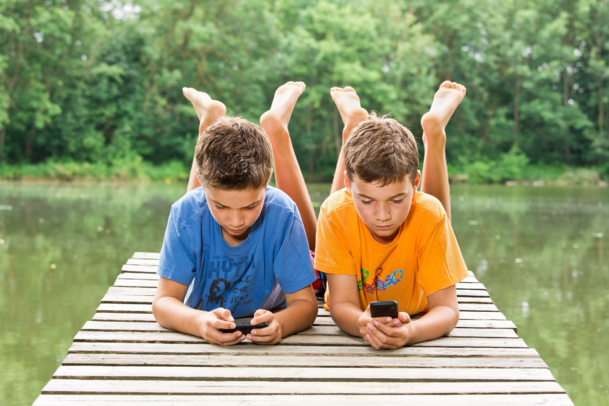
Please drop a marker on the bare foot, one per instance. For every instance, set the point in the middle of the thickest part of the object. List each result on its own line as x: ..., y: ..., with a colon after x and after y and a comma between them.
x: 208, y: 110
x: 444, y: 104
x: 349, y: 107
x: 278, y: 117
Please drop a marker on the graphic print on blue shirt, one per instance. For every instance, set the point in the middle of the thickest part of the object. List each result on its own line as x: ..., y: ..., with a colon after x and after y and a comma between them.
x: 228, y: 282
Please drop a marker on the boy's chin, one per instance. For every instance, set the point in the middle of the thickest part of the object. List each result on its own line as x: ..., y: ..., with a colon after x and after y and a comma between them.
x: 383, y: 236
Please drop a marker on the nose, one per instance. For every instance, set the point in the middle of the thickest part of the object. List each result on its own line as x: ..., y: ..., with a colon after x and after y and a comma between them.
x: 383, y: 212
x: 236, y: 219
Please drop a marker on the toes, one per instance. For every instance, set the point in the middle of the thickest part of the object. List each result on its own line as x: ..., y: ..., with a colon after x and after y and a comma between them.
x: 446, y: 83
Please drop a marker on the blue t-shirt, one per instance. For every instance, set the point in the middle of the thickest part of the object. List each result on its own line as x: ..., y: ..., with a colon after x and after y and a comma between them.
x: 273, y: 259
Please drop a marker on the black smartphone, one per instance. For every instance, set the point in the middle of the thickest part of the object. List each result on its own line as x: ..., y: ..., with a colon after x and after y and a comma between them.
x: 384, y: 308
x: 245, y: 328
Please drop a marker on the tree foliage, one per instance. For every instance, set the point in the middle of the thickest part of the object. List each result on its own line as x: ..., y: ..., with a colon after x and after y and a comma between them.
x: 100, y: 81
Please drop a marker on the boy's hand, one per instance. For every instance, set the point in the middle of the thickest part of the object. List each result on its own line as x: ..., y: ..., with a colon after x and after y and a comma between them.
x: 365, y: 319
x: 211, y: 323
x: 389, y: 334
x: 268, y: 335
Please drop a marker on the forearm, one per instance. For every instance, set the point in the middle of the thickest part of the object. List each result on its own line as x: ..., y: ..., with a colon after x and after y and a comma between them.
x: 438, y: 322
x: 299, y: 315
x: 346, y: 316
x: 171, y: 313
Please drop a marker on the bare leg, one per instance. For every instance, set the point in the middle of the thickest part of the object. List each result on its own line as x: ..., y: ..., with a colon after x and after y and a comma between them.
x: 208, y: 112
x: 435, y: 172
x: 287, y: 171
x: 352, y: 114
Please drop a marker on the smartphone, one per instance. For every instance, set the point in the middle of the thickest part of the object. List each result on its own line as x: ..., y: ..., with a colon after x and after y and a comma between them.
x: 384, y: 308
x: 245, y: 328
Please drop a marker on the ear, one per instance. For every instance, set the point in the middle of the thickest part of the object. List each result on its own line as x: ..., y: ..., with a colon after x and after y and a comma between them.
x: 417, y: 180
x: 200, y: 180
x: 270, y: 176
x: 347, y: 184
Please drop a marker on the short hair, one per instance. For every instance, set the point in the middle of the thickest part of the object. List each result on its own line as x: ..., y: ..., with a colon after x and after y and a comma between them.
x: 234, y: 154
x: 381, y: 150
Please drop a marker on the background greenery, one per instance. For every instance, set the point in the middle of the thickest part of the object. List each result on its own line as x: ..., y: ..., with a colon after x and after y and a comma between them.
x: 92, y: 88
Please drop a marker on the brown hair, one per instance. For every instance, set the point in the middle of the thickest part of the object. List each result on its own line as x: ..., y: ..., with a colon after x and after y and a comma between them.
x: 381, y: 150
x: 234, y: 154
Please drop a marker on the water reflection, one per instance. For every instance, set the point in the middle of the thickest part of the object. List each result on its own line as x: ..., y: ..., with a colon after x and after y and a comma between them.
x: 61, y: 247
x: 540, y: 251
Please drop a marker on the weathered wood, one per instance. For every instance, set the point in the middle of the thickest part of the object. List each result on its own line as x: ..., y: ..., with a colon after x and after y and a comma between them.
x: 339, y: 374
x: 360, y: 399
x: 315, y: 330
x: 300, y: 339
x: 256, y: 386
x: 140, y: 268
x: 123, y: 356
x: 199, y: 348
x: 241, y: 360
x: 320, y: 321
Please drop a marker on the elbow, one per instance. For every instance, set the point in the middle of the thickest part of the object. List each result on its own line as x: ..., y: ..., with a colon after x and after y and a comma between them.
x: 157, y: 310
x: 454, y: 319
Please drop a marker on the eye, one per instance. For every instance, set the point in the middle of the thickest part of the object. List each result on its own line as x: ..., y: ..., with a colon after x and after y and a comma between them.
x: 251, y: 207
x: 219, y: 207
x: 366, y: 201
x: 398, y: 201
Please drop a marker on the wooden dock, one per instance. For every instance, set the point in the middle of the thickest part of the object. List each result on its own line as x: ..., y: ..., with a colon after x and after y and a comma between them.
x: 122, y: 356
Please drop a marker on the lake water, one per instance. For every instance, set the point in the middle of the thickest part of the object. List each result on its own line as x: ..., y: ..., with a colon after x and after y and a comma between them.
x: 543, y: 254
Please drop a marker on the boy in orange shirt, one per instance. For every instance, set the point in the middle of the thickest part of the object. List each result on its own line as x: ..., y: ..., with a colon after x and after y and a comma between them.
x: 381, y: 239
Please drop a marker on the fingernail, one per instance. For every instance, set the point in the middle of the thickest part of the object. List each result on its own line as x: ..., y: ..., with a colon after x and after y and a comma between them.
x: 376, y: 323
x: 239, y: 334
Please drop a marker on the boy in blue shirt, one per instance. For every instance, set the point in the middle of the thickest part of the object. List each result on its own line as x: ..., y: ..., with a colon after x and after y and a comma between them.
x: 236, y: 247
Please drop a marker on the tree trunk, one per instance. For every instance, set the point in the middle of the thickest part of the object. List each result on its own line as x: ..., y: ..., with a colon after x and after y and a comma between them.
x: 517, y: 109
x: 2, y: 137
x: 29, y: 140
x: 565, y: 103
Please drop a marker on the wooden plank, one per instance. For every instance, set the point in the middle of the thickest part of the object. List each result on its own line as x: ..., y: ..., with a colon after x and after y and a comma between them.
x: 298, y: 339
x: 146, y: 255
x: 472, y: 293
x: 118, y: 291
x: 315, y: 330
x: 139, y: 275
x: 146, y: 308
x: 292, y: 400
x: 470, y: 286
x: 201, y: 348
x: 135, y: 283
x: 339, y: 374
x: 140, y: 268
x: 58, y: 386
x: 144, y: 261
x: 240, y: 360
x: 320, y: 321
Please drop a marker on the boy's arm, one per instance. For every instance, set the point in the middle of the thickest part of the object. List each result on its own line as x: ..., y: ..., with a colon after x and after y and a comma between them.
x: 344, y: 305
x: 442, y: 317
x: 170, y: 312
x: 299, y: 315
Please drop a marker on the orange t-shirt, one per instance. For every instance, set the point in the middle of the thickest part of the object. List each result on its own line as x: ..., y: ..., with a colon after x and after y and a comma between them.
x: 422, y: 259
